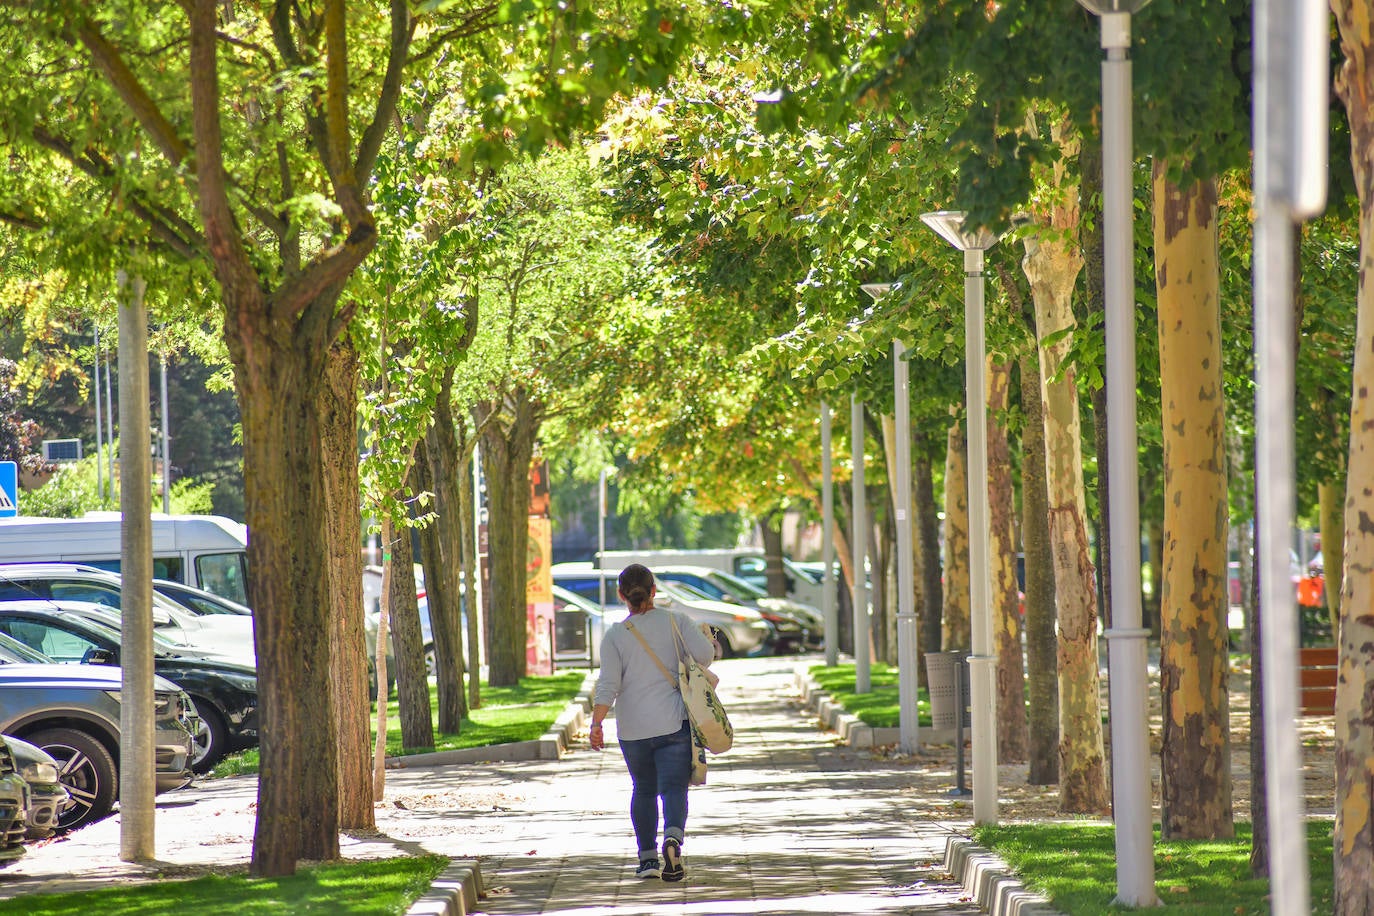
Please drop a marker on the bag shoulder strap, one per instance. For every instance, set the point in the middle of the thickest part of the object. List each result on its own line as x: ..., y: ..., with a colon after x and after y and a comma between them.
x: 629, y: 625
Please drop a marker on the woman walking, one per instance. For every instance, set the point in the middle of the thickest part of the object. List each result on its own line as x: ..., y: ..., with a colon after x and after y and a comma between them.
x: 651, y: 720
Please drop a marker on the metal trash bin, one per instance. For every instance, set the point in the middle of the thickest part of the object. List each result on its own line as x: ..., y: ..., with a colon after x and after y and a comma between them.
x: 948, y: 683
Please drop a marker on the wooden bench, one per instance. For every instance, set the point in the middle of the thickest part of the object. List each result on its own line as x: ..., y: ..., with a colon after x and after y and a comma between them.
x: 1317, y: 681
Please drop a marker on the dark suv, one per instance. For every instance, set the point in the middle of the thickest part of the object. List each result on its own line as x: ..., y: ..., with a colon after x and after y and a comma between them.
x: 72, y: 712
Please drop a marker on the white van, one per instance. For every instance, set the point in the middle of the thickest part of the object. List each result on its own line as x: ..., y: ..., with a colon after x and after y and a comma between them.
x: 207, y: 551
x: 745, y: 562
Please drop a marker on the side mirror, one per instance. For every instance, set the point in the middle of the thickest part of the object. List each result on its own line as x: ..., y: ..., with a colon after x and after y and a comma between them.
x: 98, y: 656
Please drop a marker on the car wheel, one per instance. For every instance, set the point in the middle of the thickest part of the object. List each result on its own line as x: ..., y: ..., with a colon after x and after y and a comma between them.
x: 212, y: 738
x: 87, y: 771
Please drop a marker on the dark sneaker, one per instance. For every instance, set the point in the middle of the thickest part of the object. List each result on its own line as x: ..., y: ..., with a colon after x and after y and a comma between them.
x: 648, y: 868
x: 672, y: 860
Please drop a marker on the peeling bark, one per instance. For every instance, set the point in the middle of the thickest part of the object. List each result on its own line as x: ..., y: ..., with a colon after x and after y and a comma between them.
x: 1041, y: 640
x: 1195, y: 752
x: 955, y: 634
x: 1354, y: 836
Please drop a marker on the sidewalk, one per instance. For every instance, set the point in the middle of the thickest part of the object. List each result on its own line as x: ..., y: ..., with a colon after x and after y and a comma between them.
x: 789, y: 823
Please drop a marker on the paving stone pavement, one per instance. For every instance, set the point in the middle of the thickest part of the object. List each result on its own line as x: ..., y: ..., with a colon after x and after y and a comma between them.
x: 789, y: 823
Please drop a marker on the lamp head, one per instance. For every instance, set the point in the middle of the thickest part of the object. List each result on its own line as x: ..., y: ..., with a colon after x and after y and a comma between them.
x: 1104, y: 7
x: 876, y: 290
x: 950, y: 225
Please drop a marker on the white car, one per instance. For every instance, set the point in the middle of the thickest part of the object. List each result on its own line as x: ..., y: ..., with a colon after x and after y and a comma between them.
x: 221, y: 634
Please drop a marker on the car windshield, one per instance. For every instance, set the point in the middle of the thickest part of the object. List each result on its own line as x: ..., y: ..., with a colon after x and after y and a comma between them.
x: 12, y: 651
x: 737, y: 586
x: 684, y: 590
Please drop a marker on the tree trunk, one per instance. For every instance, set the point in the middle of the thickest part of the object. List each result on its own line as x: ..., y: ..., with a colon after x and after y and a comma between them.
x: 298, y: 800
x: 507, y: 450
x: 845, y: 557
x: 956, y: 620
x: 412, y: 684
x: 1041, y: 640
x: 1195, y: 752
x: 883, y: 627
x: 1013, y: 739
x: 349, y: 662
x: 439, y: 453
x: 770, y: 529
x: 1154, y: 616
x: 1238, y: 458
x: 1052, y: 265
x: 1331, y: 505
x: 927, y: 529
x: 1354, y: 838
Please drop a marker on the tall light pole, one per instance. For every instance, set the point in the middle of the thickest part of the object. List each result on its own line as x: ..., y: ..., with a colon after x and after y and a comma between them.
x: 1292, y: 48
x: 1126, y: 647
x: 829, y: 609
x: 982, y: 661
x: 907, y: 629
x: 858, y: 533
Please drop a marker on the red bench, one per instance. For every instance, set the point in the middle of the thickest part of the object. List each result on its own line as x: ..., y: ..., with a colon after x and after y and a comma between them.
x: 1317, y: 681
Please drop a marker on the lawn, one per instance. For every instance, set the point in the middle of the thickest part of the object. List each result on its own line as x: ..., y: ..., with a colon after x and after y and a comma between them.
x: 380, y: 887
x: 1075, y: 866
x: 508, y: 714
x: 879, y: 707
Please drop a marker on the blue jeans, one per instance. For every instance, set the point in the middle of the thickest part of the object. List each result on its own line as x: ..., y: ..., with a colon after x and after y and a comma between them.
x: 659, y: 768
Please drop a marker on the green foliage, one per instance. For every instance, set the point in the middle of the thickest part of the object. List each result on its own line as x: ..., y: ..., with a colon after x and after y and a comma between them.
x: 1075, y: 865
x: 380, y: 886
x: 72, y: 492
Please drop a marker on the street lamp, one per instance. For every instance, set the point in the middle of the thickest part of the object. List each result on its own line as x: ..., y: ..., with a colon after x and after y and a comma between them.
x: 859, y: 548
x: 982, y: 662
x: 1292, y: 56
x: 829, y: 610
x: 1135, y: 868
x: 906, y: 586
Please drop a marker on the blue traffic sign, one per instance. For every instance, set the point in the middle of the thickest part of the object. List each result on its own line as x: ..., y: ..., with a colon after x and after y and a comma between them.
x: 9, y: 489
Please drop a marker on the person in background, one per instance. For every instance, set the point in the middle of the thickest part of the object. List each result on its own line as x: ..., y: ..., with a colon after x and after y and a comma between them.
x: 651, y: 720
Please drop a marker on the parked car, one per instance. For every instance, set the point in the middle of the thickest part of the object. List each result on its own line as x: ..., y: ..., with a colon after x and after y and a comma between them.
x: 14, y: 796
x: 198, y: 600
x: 579, y: 625
x: 799, y: 626
x: 48, y: 798
x: 224, y: 693
x: 739, y: 630
x: 746, y: 562
x: 72, y: 713
x: 223, y: 633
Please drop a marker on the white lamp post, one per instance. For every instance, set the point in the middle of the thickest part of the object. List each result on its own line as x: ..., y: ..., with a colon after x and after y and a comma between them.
x: 1290, y: 113
x: 863, y: 678
x: 982, y: 662
x: 829, y: 610
x: 907, y: 629
x: 1135, y: 867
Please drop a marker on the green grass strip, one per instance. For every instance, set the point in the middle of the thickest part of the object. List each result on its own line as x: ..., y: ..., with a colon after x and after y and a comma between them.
x: 523, y: 712
x: 880, y: 707
x: 1074, y: 864
x: 385, y: 886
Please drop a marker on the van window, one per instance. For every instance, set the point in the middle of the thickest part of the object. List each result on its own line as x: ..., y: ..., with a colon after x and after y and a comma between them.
x: 225, y: 574
x: 163, y: 567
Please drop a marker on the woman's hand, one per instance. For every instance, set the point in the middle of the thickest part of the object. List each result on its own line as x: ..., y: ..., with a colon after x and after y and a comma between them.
x: 596, y: 737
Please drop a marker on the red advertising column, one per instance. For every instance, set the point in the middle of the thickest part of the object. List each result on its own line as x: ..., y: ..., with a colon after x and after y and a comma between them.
x: 539, y: 638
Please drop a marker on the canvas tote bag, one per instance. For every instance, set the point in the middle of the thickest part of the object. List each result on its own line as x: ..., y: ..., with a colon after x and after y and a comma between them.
x: 711, y: 727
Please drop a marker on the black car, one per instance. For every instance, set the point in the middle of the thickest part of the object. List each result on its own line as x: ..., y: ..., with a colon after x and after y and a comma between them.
x: 224, y: 692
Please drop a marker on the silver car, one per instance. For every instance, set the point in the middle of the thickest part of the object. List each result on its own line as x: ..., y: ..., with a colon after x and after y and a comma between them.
x: 739, y: 630
x: 48, y: 798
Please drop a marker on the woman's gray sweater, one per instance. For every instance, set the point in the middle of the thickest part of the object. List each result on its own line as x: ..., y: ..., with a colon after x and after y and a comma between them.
x: 646, y: 704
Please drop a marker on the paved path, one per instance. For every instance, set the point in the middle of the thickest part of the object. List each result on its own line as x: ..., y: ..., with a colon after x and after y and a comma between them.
x: 789, y: 823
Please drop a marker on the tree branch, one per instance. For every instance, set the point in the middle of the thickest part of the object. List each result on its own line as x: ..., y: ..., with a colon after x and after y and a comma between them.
x: 110, y: 65
x: 402, y: 32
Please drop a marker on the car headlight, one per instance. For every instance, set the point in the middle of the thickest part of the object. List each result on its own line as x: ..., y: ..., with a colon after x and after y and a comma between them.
x: 39, y: 772
x: 245, y: 682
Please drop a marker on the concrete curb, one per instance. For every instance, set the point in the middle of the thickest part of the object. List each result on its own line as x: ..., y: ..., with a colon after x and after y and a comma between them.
x: 455, y: 891
x: 853, y: 731
x: 550, y: 746
x: 990, y: 882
